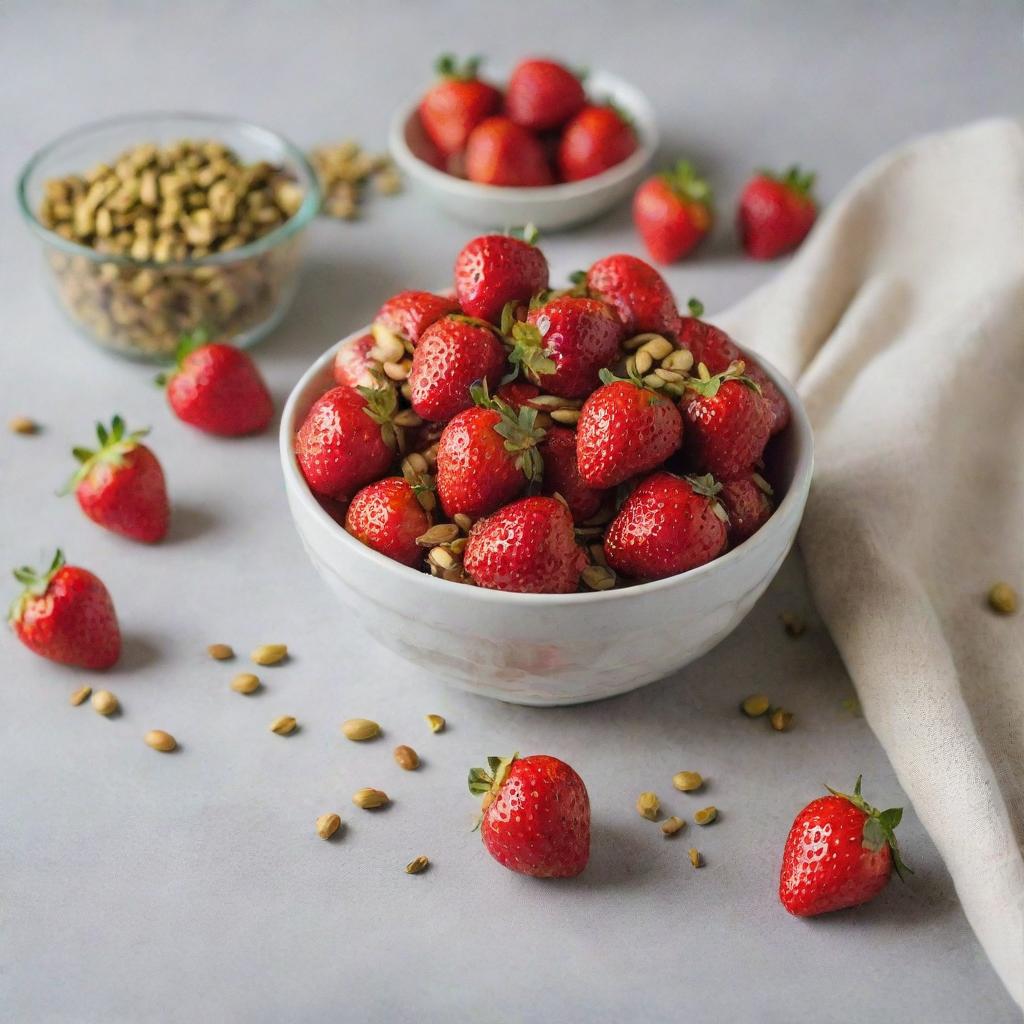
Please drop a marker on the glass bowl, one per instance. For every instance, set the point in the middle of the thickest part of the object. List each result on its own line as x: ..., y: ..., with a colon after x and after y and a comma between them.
x: 141, y: 307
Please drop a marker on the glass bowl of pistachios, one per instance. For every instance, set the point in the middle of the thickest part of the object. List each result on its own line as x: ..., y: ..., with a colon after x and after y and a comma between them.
x: 157, y: 225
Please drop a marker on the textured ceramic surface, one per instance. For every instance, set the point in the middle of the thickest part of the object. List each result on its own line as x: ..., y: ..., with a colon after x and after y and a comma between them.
x: 549, y: 208
x: 537, y: 648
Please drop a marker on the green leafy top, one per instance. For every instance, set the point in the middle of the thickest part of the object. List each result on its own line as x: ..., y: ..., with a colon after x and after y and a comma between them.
x: 519, y: 429
x: 696, y: 308
x: 488, y: 781
x: 708, y: 487
x: 447, y: 66
x: 115, y: 444
x: 528, y: 352
x: 800, y: 182
x: 880, y: 826
x: 35, y: 584
x: 708, y: 384
x: 381, y: 406
x: 687, y: 184
x: 187, y: 344
x: 528, y: 233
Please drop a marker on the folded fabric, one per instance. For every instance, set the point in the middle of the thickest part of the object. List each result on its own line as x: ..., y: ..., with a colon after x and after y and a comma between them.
x: 902, y: 318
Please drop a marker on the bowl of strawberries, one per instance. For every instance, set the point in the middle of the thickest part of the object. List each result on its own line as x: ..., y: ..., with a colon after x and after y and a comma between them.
x: 552, y: 148
x: 545, y: 495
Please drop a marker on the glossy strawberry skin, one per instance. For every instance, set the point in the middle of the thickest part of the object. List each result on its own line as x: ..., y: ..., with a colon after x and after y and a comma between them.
x: 410, y: 313
x: 726, y: 434
x: 475, y: 474
x: 826, y: 865
x: 339, y: 447
x: 130, y: 498
x: 518, y: 393
x: 450, y: 356
x: 773, y: 218
x: 72, y: 623
x: 528, y: 547
x: 669, y: 225
x: 637, y: 292
x: 387, y: 517
x: 562, y: 475
x: 539, y: 821
x: 219, y: 390
x: 451, y: 109
x: 500, y: 152
x: 664, y: 527
x: 493, y: 270
x: 593, y: 141
x: 623, y: 431
x: 582, y: 337
x: 748, y: 506
x: 352, y: 363
x: 542, y: 95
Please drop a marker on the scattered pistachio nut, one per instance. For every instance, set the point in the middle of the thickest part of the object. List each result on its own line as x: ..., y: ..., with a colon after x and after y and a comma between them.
x: 344, y: 170
x: 695, y: 858
x: 283, y: 725
x: 648, y: 805
x: 705, y: 815
x: 80, y: 696
x: 245, y: 682
x: 327, y: 825
x: 369, y: 799
x: 23, y: 425
x: 670, y: 826
x: 598, y: 577
x: 793, y: 624
x: 415, y: 867
x: 104, y: 702
x: 1002, y: 598
x: 407, y: 758
x: 160, y: 740
x: 780, y: 719
x: 687, y: 782
x: 360, y: 729
x: 220, y: 652
x: 270, y: 654
x: 755, y: 705
x: 436, y: 723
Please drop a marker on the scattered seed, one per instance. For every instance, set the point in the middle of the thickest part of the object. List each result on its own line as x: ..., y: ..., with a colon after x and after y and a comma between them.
x: 160, y: 740
x: 669, y: 376
x: 436, y: 723
x: 755, y: 705
x: 687, y: 782
x: 672, y: 825
x: 463, y: 522
x: 793, y: 624
x: 657, y: 347
x: 220, y: 652
x: 104, y: 702
x: 443, y: 533
x: 648, y: 805
x: 762, y: 484
x: 396, y: 371
x: 643, y: 361
x: 598, y: 577
x: 569, y: 417
x: 360, y: 729
x: 327, y: 825
x: 368, y: 799
x: 388, y: 347
x: 407, y: 758
x: 23, y: 425
x: 654, y: 382
x: 245, y: 682
x: 283, y: 725
x: 442, y: 558
x: 681, y: 361
x: 80, y: 696
x: 780, y: 719
x: 270, y: 654
x: 695, y: 858
x: 706, y: 815
x: 1002, y: 598
x: 415, y: 867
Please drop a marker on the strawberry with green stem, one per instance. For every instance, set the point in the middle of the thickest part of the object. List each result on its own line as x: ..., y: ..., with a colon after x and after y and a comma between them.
x: 494, y: 270
x: 388, y: 516
x: 456, y: 103
x: 672, y: 212
x: 596, y: 139
x: 776, y: 211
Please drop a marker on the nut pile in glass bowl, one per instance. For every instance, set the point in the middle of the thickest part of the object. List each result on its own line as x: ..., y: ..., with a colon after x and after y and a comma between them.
x: 538, y: 441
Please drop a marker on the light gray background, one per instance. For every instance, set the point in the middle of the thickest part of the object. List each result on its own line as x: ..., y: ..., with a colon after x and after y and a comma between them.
x: 136, y: 886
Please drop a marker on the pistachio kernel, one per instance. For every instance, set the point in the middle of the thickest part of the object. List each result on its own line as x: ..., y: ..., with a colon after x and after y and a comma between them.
x: 1002, y: 598
x: 220, y: 652
x: 369, y: 799
x: 780, y: 719
x: 670, y: 826
x: 360, y: 729
x: 270, y: 654
x: 406, y: 758
x: 695, y: 858
x: 23, y: 425
x: 755, y: 705
x: 245, y: 682
x: 648, y: 805
x: 415, y: 867
x: 436, y: 723
x: 104, y: 702
x: 283, y: 725
x: 160, y: 740
x: 705, y: 815
x: 80, y: 696
x: 327, y: 825
x: 687, y: 782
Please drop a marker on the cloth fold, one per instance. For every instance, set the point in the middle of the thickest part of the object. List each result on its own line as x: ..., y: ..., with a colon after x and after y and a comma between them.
x: 902, y: 319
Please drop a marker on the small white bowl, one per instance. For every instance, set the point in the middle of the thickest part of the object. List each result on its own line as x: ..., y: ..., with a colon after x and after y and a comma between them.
x: 545, y: 649
x: 549, y: 207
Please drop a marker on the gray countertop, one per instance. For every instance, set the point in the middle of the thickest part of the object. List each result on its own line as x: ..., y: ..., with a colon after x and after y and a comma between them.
x: 192, y: 887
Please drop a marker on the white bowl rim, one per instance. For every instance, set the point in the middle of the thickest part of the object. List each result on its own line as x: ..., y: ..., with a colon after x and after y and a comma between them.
x: 296, y: 484
x: 638, y: 107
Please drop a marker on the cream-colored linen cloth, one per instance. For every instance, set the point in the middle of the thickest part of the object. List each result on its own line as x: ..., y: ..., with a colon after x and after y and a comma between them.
x: 902, y: 319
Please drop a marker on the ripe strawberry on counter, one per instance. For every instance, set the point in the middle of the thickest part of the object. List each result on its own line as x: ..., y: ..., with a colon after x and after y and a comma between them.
x: 672, y: 212
x: 776, y: 211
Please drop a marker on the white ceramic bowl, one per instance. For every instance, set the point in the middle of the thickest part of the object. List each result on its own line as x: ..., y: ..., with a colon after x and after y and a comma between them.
x: 537, y: 648
x: 550, y: 207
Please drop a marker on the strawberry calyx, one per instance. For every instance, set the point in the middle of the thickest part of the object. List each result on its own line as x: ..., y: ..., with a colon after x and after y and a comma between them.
x: 447, y: 66
x: 527, y: 352
x: 793, y: 179
x: 381, y: 406
x: 879, y: 827
x: 708, y: 385
x: 696, y: 308
x: 187, y: 344
x: 115, y: 444
x: 519, y: 429
x: 687, y: 184
x: 35, y: 584
x: 607, y: 377
x: 528, y: 233
x: 487, y: 782
x: 708, y: 487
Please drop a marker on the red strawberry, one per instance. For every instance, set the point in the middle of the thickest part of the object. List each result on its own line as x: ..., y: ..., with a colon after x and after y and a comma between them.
x: 536, y: 815
x: 672, y: 212
x: 499, y: 152
x: 728, y: 423
x: 121, y: 485
x: 776, y: 212
x: 562, y: 475
x: 669, y: 524
x: 456, y: 104
x: 625, y: 429
x: 748, y: 500
x: 66, y: 615
x: 218, y: 388
x: 636, y: 291
x: 565, y: 343
x: 543, y: 94
x: 594, y: 140
x: 486, y: 456
x: 839, y: 853
x: 353, y: 362
x: 346, y: 440
x: 493, y: 270
x: 388, y: 517
x: 408, y: 314
x: 528, y: 547
x: 451, y: 355
x: 517, y: 393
